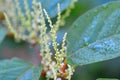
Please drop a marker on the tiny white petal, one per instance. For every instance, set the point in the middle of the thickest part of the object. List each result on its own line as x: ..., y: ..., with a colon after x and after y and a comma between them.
x: 32, y: 13
x: 51, y: 54
x: 62, y: 64
x: 59, y: 79
x: 53, y: 63
x: 49, y: 73
x: 58, y: 44
x: 38, y: 20
x: 47, y: 63
x: 34, y: 25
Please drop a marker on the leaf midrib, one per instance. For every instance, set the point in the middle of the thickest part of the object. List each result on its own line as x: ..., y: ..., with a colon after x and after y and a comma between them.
x: 91, y: 43
x: 25, y: 72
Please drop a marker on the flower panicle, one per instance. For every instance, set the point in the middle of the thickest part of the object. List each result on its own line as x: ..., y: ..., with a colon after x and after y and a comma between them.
x: 31, y: 27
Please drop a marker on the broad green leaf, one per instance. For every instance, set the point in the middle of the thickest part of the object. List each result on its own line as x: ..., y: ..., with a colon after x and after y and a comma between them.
x: 3, y: 33
x: 17, y: 69
x: 106, y: 79
x: 95, y: 36
x: 51, y: 5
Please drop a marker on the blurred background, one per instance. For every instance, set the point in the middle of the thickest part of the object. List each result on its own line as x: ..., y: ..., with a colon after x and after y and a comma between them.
x: 107, y: 69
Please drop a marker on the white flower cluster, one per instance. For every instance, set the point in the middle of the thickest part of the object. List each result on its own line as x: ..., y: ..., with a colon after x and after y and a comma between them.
x: 31, y: 27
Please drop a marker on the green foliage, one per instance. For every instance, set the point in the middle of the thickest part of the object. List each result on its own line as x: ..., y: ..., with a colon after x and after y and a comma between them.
x: 106, y: 79
x: 3, y: 33
x: 17, y: 69
x: 48, y: 6
x: 51, y: 5
x: 95, y: 36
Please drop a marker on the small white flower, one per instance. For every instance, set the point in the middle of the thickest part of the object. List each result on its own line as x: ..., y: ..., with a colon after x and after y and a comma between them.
x: 38, y: 20
x: 53, y: 63
x: 47, y: 63
x: 58, y: 44
x: 51, y: 54
x: 59, y: 79
x: 32, y: 13
x: 34, y: 25
x: 49, y: 73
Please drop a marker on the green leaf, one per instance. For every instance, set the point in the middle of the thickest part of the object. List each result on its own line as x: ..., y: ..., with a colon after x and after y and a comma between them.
x: 51, y: 5
x: 95, y: 36
x: 106, y: 79
x: 17, y: 69
x: 3, y: 33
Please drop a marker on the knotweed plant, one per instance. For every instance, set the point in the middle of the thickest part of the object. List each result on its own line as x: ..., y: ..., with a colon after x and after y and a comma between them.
x: 31, y: 27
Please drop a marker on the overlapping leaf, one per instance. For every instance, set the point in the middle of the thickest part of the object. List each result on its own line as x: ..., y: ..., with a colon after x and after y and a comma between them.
x: 95, y: 36
x: 51, y: 5
x: 3, y: 33
x: 17, y: 69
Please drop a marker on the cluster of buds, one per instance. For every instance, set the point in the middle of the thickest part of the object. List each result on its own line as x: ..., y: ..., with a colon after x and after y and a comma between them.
x: 31, y: 27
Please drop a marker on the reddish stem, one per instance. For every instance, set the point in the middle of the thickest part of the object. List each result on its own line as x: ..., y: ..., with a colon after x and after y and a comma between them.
x: 38, y: 52
x: 64, y: 67
x: 43, y: 73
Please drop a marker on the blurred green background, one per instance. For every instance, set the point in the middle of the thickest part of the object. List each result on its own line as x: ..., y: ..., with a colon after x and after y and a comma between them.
x: 107, y: 69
